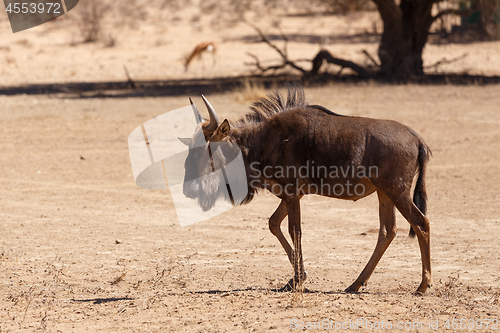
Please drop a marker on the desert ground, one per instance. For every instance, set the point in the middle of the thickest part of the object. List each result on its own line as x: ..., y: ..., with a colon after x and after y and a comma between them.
x: 83, y: 249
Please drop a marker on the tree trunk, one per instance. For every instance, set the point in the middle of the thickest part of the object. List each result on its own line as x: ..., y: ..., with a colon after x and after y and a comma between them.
x: 406, y: 28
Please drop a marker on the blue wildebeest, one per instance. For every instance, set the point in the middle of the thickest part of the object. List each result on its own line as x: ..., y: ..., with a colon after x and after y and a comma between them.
x: 292, y: 149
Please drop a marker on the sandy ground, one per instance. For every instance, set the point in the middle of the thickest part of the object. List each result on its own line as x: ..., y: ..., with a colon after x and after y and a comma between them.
x: 73, y: 222
x: 62, y: 217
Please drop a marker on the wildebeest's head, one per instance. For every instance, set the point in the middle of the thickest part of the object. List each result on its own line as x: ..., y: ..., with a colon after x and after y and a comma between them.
x: 208, y: 154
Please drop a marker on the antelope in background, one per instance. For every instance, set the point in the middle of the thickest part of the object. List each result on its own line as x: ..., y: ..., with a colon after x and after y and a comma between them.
x: 204, y: 47
x: 281, y: 134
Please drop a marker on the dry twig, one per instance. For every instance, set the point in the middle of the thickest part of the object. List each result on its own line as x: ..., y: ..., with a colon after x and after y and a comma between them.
x: 117, y: 280
x: 369, y: 56
x: 283, y: 53
x: 446, y: 61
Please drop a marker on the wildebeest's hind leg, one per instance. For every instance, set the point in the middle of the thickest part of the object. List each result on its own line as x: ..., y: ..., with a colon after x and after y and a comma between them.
x: 386, y: 234
x: 420, y: 224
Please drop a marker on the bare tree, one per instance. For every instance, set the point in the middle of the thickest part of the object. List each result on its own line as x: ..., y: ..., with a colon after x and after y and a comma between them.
x: 406, y: 23
x: 406, y: 28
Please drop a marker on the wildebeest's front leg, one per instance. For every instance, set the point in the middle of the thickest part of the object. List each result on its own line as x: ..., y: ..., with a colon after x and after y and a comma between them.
x: 294, y: 228
x: 275, y: 227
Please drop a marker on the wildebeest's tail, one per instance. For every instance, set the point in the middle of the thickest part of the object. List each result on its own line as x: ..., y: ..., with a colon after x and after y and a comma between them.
x: 420, y: 195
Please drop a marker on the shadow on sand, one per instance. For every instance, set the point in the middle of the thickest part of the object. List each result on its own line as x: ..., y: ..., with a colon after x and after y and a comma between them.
x: 224, y: 293
x: 102, y: 300
x: 124, y: 89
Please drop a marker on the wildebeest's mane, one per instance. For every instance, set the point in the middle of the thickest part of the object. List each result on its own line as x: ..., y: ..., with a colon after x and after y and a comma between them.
x: 273, y: 104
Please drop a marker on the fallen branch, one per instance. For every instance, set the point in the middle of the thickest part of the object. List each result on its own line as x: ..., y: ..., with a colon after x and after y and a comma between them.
x: 324, y: 55
x: 318, y: 61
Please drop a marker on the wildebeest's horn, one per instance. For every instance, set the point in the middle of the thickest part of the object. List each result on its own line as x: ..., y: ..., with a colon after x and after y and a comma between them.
x: 197, y: 114
x: 214, y: 121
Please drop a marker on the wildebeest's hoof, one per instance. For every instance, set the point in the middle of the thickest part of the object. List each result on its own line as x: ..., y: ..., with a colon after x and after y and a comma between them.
x: 294, y: 284
x: 422, y: 289
x: 351, y: 290
x: 287, y: 287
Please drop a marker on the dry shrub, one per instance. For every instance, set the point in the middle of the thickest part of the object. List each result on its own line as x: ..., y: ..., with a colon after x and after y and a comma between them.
x: 495, y: 299
x: 485, y: 18
x: 176, y: 4
x: 89, y: 19
x: 296, y: 297
x: 489, y: 17
x: 452, y: 288
x: 110, y: 41
x: 250, y: 91
x: 10, y: 60
x: 346, y: 6
x: 132, y: 10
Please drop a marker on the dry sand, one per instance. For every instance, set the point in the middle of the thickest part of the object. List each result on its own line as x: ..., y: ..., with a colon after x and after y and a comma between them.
x: 72, y: 220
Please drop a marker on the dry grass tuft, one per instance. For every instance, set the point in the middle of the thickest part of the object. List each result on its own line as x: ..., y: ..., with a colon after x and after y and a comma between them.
x: 89, y: 19
x: 110, y: 41
x: 250, y: 91
x: 297, y: 295
x: 451, y: 288
x: 346, y: 6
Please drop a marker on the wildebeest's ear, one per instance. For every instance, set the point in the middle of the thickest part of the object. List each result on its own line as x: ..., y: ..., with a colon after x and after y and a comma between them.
x: 224, y: 129
x: 186, y: 141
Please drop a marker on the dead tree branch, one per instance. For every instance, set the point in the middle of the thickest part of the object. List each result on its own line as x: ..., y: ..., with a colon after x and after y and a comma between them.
x: 324, y: 55
x: 129, y: 79
x: 260, y: 67
x: 266, y: 40
x: 318, y: 61
x: 446, y: 61
x: 283, y: 53
x: 369, y: 56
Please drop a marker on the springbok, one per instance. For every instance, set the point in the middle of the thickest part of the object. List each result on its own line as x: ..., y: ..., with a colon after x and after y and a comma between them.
x: 282, y: 136
x: 204, y: 47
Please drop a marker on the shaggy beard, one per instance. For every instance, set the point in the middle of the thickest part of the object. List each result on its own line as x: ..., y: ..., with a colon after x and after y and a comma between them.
x: 211, y: 189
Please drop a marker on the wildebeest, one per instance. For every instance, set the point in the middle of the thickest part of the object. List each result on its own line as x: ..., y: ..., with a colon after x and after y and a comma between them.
x: 292, y: 149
